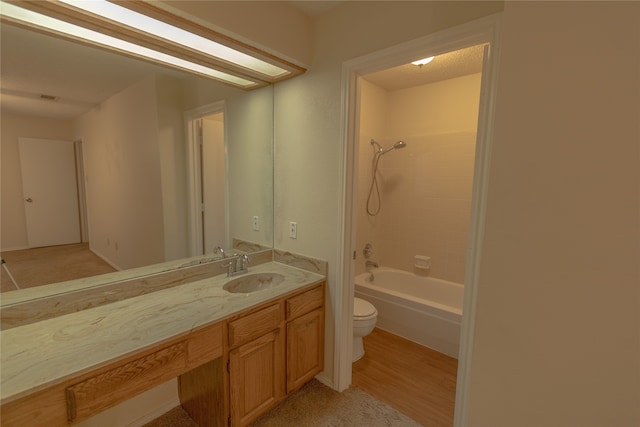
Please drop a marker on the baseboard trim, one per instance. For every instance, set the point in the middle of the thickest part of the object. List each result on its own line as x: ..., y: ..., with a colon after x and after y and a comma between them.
x: 105, y: 259
x: 324, y: 379
x: 17, y: 248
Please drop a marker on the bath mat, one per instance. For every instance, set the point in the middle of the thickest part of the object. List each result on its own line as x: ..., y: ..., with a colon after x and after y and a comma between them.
x: 315, y: 405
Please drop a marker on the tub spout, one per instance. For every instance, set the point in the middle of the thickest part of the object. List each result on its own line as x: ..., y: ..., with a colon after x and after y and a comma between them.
x: 370, y: 264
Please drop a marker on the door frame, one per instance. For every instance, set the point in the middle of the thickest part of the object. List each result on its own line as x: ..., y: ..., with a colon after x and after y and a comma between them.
x: 484, y: 30
x: 194, y: 187
x: 82, y: 190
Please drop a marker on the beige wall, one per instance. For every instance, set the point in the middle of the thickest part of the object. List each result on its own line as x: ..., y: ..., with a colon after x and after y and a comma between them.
x: 249, y: 133
x: 425, y: 187
x: 123, y: 177
x: 14, y: 229
x: 172, y: 154
x: 557, y: 325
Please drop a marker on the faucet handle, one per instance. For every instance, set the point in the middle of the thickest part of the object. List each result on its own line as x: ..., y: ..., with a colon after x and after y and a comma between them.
x: 230, y: 266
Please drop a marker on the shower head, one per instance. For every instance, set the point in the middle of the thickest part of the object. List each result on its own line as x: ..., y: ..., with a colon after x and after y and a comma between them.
x: 399, y: 144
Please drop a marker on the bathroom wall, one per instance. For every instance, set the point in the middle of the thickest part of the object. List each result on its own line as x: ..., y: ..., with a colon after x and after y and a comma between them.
x: 557, y: 321
x: 172, y: 154
x: 123, y: 177
x: 13, y: 231
x: 249, y: 134
x: 426, y: 187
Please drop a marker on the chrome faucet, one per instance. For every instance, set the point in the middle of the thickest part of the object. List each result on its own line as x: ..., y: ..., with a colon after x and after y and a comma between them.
x: 243, y: 263
x: 238, y: 264
x: 369, y: 264
x: 218, y: 249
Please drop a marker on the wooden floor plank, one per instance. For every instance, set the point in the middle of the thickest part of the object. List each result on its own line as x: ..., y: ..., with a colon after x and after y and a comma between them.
x: 413, y: 379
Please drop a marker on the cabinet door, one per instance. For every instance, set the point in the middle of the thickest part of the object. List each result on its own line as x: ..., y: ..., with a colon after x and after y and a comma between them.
x: 256, y: 376
x: 305, y: 348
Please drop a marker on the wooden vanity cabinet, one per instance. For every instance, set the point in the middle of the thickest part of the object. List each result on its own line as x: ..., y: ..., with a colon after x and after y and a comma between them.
x: 256, y: 372
x: 256, y: 364
x: 273, y: 351
x: 229, y: 372
x: 305, y: 337
x: 84, y: 395
x: 305, y: 352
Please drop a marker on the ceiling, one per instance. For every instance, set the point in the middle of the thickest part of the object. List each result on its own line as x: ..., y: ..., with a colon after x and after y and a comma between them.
x: 73, y: 78
x: 443, y: 67
x: 446, y: 66
x: 76, y: 76
x: 315, y: 8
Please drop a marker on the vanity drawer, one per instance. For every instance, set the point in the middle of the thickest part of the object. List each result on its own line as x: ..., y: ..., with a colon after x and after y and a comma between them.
x: 305, y: 302
x: 254, y: 325
x: 102, y: 391
x: 119, y: 383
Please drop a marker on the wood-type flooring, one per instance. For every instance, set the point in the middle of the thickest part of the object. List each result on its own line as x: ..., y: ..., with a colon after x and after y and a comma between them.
x: 415, y: 380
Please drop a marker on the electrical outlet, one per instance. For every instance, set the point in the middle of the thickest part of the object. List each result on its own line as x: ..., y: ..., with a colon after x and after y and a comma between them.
x: 256, y: 223
x: 293, y: 230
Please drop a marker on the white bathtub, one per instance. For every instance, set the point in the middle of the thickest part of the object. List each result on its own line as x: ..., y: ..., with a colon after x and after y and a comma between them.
x: 422, y: 309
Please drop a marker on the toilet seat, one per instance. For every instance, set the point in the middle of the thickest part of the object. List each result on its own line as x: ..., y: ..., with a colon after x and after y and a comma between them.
x: 363, y: 309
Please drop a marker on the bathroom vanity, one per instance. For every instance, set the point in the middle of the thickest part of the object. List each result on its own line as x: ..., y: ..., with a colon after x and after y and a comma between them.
x: 235, y: 354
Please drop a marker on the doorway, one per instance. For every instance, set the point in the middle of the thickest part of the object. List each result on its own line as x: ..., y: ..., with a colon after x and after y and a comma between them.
x: 480, y: 32
x: 208, y: 195
x: 416, y: 149
x: 50, y: 192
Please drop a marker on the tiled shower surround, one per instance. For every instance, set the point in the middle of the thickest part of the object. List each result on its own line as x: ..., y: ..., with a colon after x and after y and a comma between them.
x: 426, y: 187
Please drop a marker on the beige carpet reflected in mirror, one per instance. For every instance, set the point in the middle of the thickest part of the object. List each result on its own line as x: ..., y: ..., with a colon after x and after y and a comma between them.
x: 41, y: 266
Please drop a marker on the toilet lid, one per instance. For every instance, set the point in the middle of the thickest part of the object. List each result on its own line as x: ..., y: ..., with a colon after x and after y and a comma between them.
x: 362, y: 308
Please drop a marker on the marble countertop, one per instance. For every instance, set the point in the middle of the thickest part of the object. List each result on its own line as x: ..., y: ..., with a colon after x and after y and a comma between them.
x: 39, y: 355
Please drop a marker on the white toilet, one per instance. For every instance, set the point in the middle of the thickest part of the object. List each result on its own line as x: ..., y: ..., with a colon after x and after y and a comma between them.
x: 364, y: 320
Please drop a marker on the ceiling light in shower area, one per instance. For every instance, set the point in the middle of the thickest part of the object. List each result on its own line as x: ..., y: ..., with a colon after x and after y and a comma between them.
x: 423, y: 61
x: 144, y: 31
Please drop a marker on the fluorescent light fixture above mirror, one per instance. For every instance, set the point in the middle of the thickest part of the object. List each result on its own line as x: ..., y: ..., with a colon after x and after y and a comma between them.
x: 170, y: 32
x: 111, y: 26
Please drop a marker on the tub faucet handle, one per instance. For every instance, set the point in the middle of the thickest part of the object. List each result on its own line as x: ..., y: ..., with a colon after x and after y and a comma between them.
x: 367, y: 251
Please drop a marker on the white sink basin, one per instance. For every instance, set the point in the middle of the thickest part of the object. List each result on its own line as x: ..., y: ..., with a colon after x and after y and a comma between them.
x: 253, y: 282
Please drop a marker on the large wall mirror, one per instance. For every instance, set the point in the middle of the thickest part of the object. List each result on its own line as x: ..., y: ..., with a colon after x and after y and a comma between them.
x: 132, y: 125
